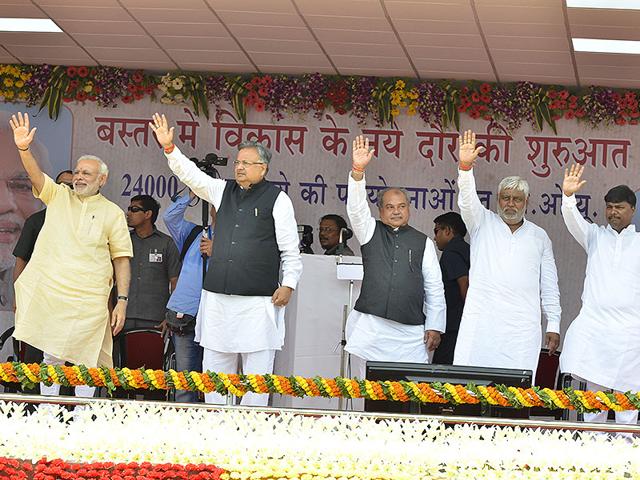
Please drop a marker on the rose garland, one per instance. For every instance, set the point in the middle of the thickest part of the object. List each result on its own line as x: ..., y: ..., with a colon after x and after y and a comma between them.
x: 401, y: 391
x: 367, y: 98
x: 12, y: 469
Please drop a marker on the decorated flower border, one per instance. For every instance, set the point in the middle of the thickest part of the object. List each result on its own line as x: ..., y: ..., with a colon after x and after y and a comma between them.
x: 401, y: 391
x: 128, y: 440
x: 13, y: 469
x: 381, y: 100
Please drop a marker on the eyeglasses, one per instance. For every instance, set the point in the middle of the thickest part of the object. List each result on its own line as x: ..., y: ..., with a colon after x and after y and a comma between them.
x: 18, y: 185
x: 135, y: 209
x: 327, y: 229
x: 237, y: 163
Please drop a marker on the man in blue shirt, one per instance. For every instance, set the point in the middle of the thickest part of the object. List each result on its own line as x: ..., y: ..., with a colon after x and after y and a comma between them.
x: 183, y: 304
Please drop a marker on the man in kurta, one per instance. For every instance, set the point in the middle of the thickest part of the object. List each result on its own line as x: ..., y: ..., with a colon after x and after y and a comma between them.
x: 400, y: 313
x: 241, y: 310
x: 602, y: 345
x: 63, y: 311
x: 513, y: 273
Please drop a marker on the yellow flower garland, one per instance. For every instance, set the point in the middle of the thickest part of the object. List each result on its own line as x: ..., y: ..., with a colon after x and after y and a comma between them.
x: 238, y: 385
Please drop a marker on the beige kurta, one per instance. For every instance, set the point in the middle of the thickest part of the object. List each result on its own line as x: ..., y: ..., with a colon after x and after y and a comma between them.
x: 61, y: 296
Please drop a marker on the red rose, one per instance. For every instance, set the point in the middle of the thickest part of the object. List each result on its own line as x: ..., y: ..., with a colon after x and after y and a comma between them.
x: 137, y: 77
x: 132, y: 88
x: 127, y: 99
x: 569, y: 114
x: 461, y: 108
x: 81, y: 96
x: 262, y: 92
x: 564, y: 94
x: 149, y: 90
x: 248, y: 86
x: 562, y: 104
x: 621, y: 121
x: 138, y: 96
x: 259, y: 106
x: 580, y: 113
x: 633, y: 122
x: 485, y: 98
x: 83, y: 72
x: 474, y: 114
x: 634, y: 114
x: 74, y: 83
x: 475, y: 97
x: 71, y: 72
x: 485, y: 88
x: 92, y: 98
x: 552, y: 94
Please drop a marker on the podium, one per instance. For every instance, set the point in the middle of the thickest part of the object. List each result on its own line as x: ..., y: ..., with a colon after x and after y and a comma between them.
x: 314, y: 325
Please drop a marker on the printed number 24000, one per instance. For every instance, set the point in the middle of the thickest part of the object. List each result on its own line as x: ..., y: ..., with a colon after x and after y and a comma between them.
x: 158, y: 186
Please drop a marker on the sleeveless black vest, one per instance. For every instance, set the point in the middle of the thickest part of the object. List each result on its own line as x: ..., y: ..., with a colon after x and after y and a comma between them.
x: 246, y: 257
x: 392, y: 287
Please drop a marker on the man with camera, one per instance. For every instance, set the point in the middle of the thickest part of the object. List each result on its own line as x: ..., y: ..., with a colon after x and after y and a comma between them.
x: 242, y: 305
x: 195, y: 244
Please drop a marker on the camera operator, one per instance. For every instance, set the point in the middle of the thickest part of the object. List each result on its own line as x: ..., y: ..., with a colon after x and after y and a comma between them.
x: 195, y: 244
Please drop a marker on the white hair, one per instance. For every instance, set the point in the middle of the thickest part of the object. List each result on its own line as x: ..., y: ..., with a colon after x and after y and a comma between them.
x: 514, y: 183
x: 102, y: 167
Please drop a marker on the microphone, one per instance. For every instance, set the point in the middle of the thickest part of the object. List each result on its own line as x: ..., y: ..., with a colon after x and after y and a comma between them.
x: 345, y: 234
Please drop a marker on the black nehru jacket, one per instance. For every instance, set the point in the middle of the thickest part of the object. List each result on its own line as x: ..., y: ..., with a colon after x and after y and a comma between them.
x: 246, y: 257
x: 393, y: 286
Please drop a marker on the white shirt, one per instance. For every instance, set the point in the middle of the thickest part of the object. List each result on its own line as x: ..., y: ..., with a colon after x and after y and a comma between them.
x: 375, y: 338
x: 511, y: 276
x: 234, y: 323
x: 602, y: 344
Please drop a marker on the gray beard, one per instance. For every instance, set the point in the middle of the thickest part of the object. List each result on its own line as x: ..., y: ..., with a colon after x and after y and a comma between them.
x: 510, y: 220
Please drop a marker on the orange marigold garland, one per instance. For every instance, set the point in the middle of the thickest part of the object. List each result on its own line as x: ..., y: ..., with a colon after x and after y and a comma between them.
x: 402, y: 391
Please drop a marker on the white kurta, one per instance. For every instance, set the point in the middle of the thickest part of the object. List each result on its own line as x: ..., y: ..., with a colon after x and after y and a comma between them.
x: 234, y: 323
x: 375, y: 338
x: 602, y: 344
x: 511, y: 276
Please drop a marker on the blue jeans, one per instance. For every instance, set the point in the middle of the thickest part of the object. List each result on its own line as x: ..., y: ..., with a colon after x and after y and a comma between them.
x: 188, y: 357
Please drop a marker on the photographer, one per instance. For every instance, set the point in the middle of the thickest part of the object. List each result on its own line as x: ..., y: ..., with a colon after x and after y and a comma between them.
x: 242, y: 306
x: 182, y: 307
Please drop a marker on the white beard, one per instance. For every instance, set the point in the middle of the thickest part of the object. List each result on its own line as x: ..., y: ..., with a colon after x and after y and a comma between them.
x: 511, y: 219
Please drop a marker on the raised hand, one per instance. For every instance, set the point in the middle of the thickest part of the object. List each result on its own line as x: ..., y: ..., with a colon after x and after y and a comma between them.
x: 468, y: 152
x: 572, y: 180
x: 362, y: 154
x: 160, y: 127
x: 22, y: 136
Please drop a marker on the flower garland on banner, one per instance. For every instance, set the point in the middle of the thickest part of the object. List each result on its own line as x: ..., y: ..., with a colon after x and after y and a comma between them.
x: 12, y: 469
x: 400, y: 391
x: 382, y: 100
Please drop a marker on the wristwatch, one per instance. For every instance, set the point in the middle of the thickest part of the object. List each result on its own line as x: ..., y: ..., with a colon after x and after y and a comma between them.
x: 123, y: 297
